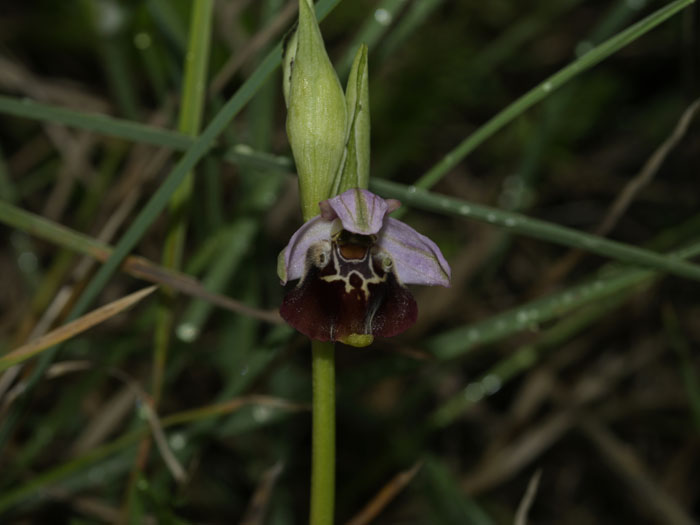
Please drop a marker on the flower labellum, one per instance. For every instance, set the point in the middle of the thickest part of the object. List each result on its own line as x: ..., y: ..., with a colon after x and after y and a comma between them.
x: 353, y: 264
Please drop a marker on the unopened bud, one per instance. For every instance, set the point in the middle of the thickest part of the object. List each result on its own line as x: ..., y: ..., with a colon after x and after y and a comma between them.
x: 316, y: 111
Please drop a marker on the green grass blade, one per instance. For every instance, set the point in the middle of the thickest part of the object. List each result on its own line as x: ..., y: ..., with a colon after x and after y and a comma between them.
x: 539, y: 229
x: 44, y: 228
x: 543, y: 90
x: 191, y: 110
x: 104, y: 124
x: 524, y: 358
x: 134, y: 131
x: 457, y: 342
x: 454, y: 343
x: 237, y: 243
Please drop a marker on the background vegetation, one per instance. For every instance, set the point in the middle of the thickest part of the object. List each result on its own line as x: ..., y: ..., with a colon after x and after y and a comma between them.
x: 556, y: 361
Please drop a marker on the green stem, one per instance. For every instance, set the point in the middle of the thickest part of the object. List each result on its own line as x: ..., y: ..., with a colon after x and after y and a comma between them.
x: 193, y: 97
x: 190, y: 119
x: 323, y: 444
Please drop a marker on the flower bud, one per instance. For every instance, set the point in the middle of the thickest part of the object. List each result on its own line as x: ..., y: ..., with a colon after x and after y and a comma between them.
x: 316, y: 111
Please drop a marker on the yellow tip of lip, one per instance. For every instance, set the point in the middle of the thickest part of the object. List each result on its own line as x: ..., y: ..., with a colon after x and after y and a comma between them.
x: 358, y: 340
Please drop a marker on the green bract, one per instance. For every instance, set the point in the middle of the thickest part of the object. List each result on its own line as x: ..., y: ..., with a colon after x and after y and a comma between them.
x: 328, y: 131
x: 355, y: 170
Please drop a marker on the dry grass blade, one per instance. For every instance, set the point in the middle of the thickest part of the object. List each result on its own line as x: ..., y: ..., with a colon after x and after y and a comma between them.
x: 618, y: 208
x: 169, y: 458
x: 69, y: 367
x: 255, y: 515
x: 258, y: 42
x: 183, y: 283
x: 650, y: 168
x: 72, y: 329
x: 115, y: 410
x: 231, y: 406
x: 528, y: 498
x: 632, y: 471
x: 510, y: 459
x: 385, y: 496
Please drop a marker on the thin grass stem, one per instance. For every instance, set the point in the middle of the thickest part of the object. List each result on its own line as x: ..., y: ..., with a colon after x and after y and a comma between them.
x: 539, y: 229
x: 547, y: 87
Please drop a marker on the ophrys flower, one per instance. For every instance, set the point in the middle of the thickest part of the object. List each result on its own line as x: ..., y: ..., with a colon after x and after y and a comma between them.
x: 354, y: 263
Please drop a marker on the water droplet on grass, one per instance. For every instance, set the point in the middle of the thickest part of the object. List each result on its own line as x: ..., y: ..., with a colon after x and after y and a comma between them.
x: 243, y: 149
x: 383, y: 17
x: 474, y: 392
x: 28, y: 262
x: 177, y: 441
x: 261, y: 414
x: 636, y: 4
x: 187, y: 332
x: 491, y: 384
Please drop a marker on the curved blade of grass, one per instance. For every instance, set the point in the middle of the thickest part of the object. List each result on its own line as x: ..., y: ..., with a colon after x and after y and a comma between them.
x: 539, y: 229
x: 551, y: 84
x: 454, y: 343
x: 72, y: 329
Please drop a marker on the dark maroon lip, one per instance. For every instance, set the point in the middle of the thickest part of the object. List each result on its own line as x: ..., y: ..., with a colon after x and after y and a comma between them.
x: 353, y: 293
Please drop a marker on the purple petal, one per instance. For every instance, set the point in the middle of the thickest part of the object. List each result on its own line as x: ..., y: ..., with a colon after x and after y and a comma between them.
x: 416, y: 258
x: 293, y: 257
x: 360, y: 211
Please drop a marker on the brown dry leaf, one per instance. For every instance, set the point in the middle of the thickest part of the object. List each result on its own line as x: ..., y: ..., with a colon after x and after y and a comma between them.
x: 257, y: 508
x: 385, y: 496
x: 73, y: 328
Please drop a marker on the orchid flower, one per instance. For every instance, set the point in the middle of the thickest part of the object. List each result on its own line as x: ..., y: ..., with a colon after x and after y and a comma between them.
x: 353, y: 263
